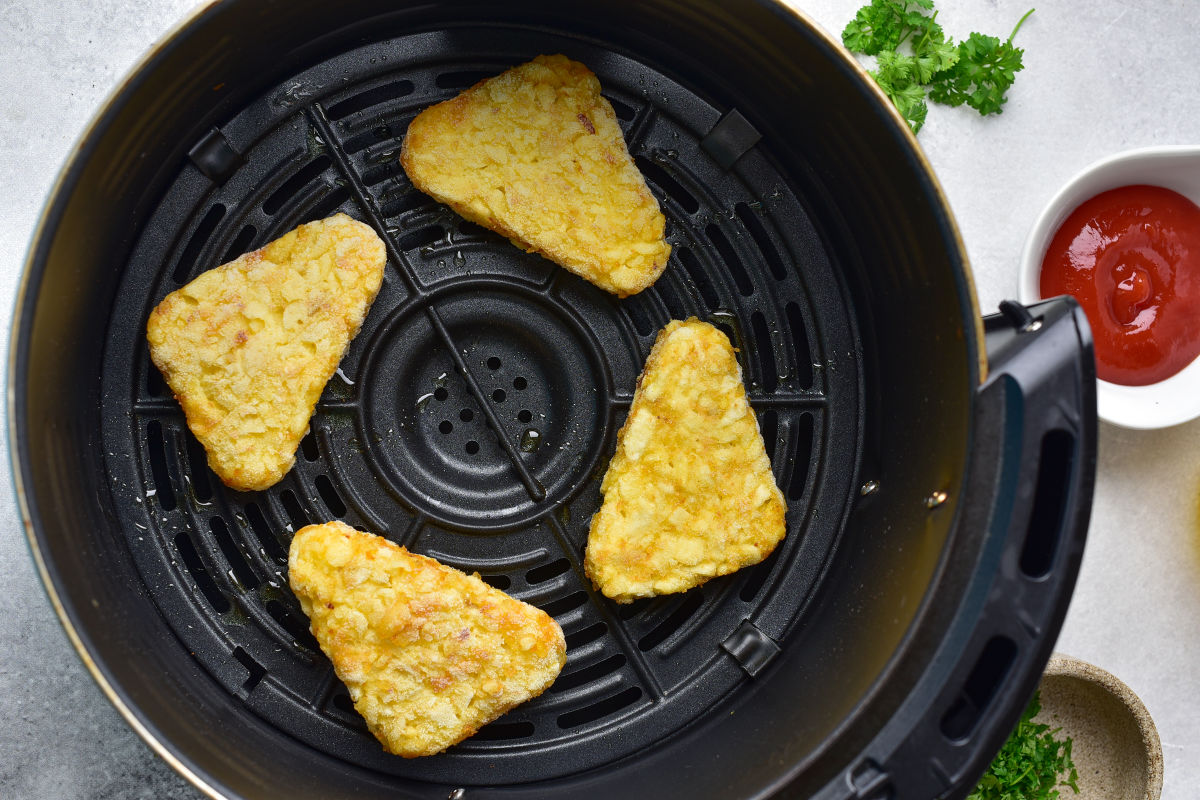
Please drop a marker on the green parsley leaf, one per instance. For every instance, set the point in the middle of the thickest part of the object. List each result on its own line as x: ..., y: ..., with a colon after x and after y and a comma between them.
x: 915, y: 58
x: 985, y: 69
x: 877, y: 26
x: 1032, y: 764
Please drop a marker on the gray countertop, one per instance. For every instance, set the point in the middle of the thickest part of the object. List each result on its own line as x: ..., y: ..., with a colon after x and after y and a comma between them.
x: 1100, y: 77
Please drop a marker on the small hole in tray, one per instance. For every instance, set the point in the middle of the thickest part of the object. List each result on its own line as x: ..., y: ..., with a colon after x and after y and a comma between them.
x: 204, y: 581
x: 164, y: 486
x: 504, y: 730
x: 519, y: 383
x: 329, y: 494
x: 525, y: 416
x: 499, y: 395
x: 472, y: 447
x: 446, y: 426
x: 609, y: 705
x: 500, y: 582
x: 547, y: 571
x: 586, y: 675
x: 292, y: 186
x: 493, y: 363
x: 440, y: 393
x: 800, y: 462
x: 689, y: 606
x: 256, y: 671
x: 466, y: 415
x: 588, y: 634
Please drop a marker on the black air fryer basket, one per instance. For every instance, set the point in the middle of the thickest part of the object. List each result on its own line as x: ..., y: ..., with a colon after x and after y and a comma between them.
x: 938, y: 471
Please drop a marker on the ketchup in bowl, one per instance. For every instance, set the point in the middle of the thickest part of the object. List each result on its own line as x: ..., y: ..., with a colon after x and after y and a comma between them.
x: 1131, y: 257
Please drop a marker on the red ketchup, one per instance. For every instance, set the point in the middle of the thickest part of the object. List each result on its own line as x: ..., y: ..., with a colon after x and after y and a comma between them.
x: 1131, y: 257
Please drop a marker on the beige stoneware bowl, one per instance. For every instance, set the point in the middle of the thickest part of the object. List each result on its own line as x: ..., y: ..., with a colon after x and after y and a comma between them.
x: 1116, y: 748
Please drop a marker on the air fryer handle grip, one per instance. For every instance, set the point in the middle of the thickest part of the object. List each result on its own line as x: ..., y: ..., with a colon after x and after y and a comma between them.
x: 1036, y: 418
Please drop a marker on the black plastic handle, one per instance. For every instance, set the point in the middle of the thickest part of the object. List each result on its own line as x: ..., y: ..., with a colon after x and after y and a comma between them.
x: 1028, y: 499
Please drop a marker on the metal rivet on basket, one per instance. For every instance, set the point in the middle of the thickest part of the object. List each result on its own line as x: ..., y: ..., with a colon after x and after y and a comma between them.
x: 935, y: 499
x: 870, y: 487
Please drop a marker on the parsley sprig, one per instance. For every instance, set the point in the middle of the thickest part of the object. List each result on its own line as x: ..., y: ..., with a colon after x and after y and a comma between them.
x: 914, y: 56
x: 1032, y: 765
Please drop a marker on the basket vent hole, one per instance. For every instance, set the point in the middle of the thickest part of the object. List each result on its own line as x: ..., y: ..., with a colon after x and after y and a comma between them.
x: 729, y: 257
x: 1049, y: 503
x: 658, y: 176
x: 406, y: 202
x: 466, y: 415
x: 981, y: 685
x: 155, y: 385
x: 766, y: 352
x: 565, y: 604
x: 371, y: 97
x: 756, y: 576
x: 446, y: 426
x: 493, y: 363
x: 383, y: 171
x: 200, y: 237
x: 690, y: 605
x: 500, y: 582
x: 308, y: 446
x: 547, y: 571
x: 325, y: 208
x: 759, y: 234
x: 525, y: 415
x: 627, y: 611
x: 422, y: 237
x: 623, y: 111
x: 800, y: 462
x: 499, y: 395
x: 204, y: 581
x: 293, y: 509
x: 288, y: 620
x: 582, y: 677
x: 241, y: 572
x: 462, y: 79
x: 519, y: 383
x: 342, y: 702
x: 804, y: 373
x: 440, y: 393
x: 589, y: 634
x: 241, y: 243
x: 696, y: 272
x: 198, y: 468
x: 472, y: 447
x: 639, y: 315
x: 329, y: 494
x: 255, y: 671
x: 768, y: 424
x: 601, y: 709
x: 470, y: 229
x: 258, y: 523
x: 292, y: 186
x: 160, y: 470
x: 505, y: 730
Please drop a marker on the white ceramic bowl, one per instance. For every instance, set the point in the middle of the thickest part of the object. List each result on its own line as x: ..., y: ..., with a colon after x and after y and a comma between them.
x: 1176, y: 167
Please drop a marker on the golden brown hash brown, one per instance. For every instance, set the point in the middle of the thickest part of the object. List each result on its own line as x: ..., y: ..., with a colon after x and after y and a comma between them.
x: 428, y: 653
x: 248, y: 347
x: 536, y: 154
x: 689, y: 494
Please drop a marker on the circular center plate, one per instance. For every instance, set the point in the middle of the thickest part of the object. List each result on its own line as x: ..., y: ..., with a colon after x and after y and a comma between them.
x: 540, y: 378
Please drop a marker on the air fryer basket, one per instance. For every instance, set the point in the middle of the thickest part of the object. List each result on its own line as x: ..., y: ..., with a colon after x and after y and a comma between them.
x: 936, y: 517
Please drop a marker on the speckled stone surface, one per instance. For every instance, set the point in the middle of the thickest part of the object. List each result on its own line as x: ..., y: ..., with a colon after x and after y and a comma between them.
x: 1101, y: 76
